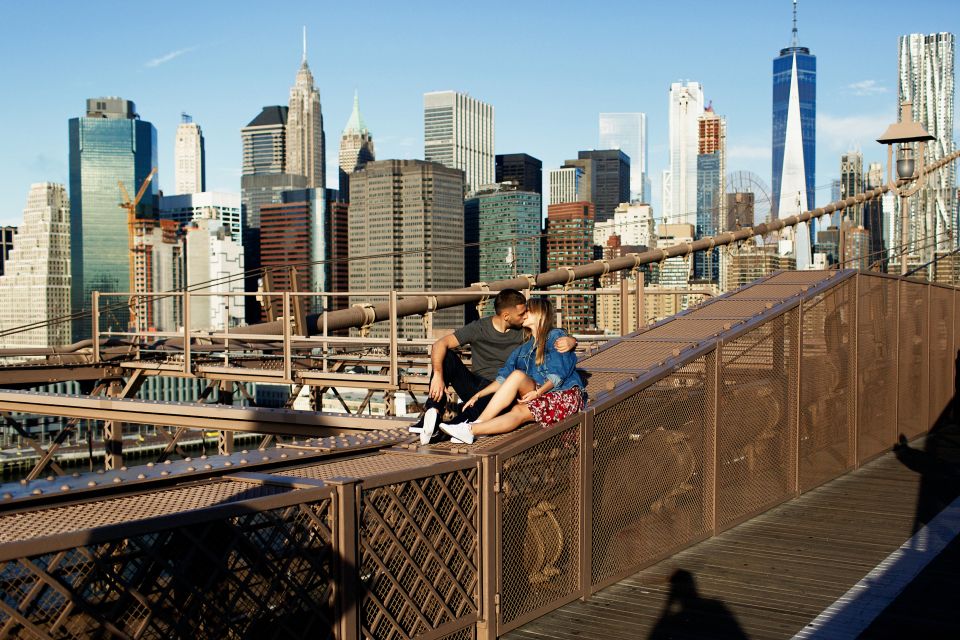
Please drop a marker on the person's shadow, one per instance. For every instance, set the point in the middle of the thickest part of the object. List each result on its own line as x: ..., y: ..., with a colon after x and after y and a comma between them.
x: 689, y: 615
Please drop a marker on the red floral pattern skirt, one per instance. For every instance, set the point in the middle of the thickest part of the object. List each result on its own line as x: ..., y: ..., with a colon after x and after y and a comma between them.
x: 554, y: 406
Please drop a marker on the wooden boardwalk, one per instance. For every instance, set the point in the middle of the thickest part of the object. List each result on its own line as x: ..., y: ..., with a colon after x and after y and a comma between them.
x: 771, y: 576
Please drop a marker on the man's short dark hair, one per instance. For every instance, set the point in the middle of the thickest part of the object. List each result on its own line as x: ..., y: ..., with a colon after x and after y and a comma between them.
x: 507, y: 299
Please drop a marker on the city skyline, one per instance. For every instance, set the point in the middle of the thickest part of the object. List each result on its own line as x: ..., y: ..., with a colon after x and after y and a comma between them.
x: 223, y: 83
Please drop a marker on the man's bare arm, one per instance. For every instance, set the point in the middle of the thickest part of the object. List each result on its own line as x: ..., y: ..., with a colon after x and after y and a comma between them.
x: 438, y: 385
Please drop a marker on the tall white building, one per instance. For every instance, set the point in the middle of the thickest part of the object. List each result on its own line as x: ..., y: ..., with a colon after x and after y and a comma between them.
x: 628, y: 132
x: 566, y: 185
x: 189, y: 157
x: 35, y: 285
x: 632, y: 222
x: 926, y: 65
x: 686, y: 105
x: 221, y: 205
x: 458, y: 132
x: 305, y: 143
x: 213, y: 257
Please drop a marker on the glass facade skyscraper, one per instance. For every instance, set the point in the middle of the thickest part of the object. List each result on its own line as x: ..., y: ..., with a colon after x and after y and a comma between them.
x: 111, y: 143
x: 628, y: 132
x: 794, y: 139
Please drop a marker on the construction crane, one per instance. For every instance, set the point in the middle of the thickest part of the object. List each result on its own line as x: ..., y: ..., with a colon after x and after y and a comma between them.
x: 131, y: 207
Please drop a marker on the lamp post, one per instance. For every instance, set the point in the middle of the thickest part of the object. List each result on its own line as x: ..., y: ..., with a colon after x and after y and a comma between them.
x: 905, y: 133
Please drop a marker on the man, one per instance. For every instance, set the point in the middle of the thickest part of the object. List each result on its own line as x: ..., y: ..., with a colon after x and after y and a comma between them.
x: 492, y: 339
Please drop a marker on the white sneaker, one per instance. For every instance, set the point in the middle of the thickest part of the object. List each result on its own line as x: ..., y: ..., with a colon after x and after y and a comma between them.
x: 460, y: 431
x: 429, y: 425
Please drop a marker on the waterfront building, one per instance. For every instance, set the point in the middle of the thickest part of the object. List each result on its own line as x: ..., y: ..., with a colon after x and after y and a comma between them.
x: 6, y: 244
x: 458, y: 132
x: 110, y: 143
x: 794, y: 142
x: 611, y: 171
x: 504, y: 222
x: 214, y: 265
x: 569, y: 235
x: 356, y: 147
x: 567, y: 184
x: 521, y: 169
x: 927, y: 79
x: 189, y: 158
x: 409, y: 215
x: 35, y: 285
x: 306, y: 144
x: 632, y: 222
x: 628, y: 132
x: 216, y: 205
x: 686, y: 106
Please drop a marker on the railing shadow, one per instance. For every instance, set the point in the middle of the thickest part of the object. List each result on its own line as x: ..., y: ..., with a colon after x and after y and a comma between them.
x: 687, y: 614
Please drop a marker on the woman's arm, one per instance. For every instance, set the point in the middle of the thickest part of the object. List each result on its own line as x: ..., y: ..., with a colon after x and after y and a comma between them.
x: 559, y: 365
x: 537, y: 392
x: 486, y: 391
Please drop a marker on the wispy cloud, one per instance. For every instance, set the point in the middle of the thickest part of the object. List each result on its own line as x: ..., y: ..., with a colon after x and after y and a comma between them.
x: 842, y: 133
x: 866, y: 88
x: 167, y: 57
x: 748, y: 152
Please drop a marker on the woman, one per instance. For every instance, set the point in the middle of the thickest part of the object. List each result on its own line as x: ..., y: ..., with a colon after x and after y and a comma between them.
x: 545, y: 381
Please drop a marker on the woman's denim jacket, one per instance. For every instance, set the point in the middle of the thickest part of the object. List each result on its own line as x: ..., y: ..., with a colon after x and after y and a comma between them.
x: 558, y: 368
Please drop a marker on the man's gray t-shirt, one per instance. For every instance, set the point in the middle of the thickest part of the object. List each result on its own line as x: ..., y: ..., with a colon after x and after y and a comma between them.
x: 490, y: 347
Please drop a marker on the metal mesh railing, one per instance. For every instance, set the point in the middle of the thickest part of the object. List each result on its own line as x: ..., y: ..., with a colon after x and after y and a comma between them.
x: 540, y: 503
x: 914, y: 376
x: 941, y: 356
x: 419, y: 554
x: 828, y: 374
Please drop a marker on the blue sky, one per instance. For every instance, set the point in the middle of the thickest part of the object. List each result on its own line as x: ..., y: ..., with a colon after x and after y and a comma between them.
x: 548, y: 68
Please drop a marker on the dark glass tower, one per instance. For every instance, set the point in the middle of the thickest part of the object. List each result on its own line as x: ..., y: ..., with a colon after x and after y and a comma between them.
x: 521, y: 168
x: 612, y: 172
x: 794, y: 133
x: 111, y: 143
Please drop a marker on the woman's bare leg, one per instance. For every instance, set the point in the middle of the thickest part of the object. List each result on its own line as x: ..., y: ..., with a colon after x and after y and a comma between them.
x: 506, y: 423
x: 516, y: 384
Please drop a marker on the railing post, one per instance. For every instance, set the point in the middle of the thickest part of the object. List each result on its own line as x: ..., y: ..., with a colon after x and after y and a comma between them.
x: 95, y: 331
x: 347, y: 561
x: 641, y: 318
x: 394, y: 373
x: 186, y: 332
x: 225, y: 439
x: 624, y: 306
x: 489, y: 546
x: 287, y: 364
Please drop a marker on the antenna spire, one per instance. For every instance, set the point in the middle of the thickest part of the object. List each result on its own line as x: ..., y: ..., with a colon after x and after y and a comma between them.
x: 795, y: 39
x: 304, y: 61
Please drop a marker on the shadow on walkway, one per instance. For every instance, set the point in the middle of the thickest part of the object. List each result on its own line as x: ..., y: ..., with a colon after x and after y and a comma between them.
x: 689, y: 615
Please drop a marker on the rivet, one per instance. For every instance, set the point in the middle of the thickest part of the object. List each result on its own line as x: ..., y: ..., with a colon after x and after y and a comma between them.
x: 208, y: 466
x: 203, y: 457
x: 51, y: 478
x: 283, y: 455
x: 187, y: 459
x: 243, y: 461
x: 75, y: 474
x: 245, y: 452
x: 141, y: 476
x: 100, y: 472
x: 190, y: 469
x: 300, y: 453
x: 23, y: 482
x: 150, y: 464
x: 92, y: 483
x: 228, y: 464
x: 166, y: 462
x: 265, y: 458
x: 7, y: 496
x: 123, y: 468
x: 164, y: 473
x: 64, y: 487
x: 117, y: 480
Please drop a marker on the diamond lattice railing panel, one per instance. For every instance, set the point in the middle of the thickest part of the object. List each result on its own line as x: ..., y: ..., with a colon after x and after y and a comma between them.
x: 756, y: 419
x: 540, y: 496
x: 262, y: 574
x: 652, y: 481
x: 876, y: 365
x: 827, y: 379
x: 419, y: 554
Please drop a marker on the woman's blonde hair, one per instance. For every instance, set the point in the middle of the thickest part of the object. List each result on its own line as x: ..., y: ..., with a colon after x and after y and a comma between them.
x: 543, y: 309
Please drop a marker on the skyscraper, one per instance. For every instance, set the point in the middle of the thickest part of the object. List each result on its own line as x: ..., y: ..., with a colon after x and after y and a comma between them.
x: 108, y: 144
x: 6, y: 244
x: 306, y: 145
x: 686, y: 105
x: 158, y: 266
x: 926, y: 66
x: 873, y: 214
x: 794, y: 141
x: 507, y: 223
x: 711, y: 171
x: 215, y: 205
x: 458, y: 132
x: 356, y: 147
x: 35, y: 286
x: 214, y: 260
x: 567, y: 185
x: 611, y: 169
x: 570, y: 243
x: 628, y: 132
x: 522, y: 169
x: 189, y: 158
x: 403, y: 212
x: 851, y: 183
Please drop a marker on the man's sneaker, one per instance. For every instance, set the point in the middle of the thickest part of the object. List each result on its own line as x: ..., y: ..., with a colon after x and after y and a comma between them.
x: 429, y: 425
x: 460, y: 431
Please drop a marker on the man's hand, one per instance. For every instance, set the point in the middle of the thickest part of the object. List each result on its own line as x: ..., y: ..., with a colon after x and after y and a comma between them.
x: 437, y: 387
x: 564, y: 344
